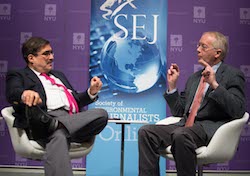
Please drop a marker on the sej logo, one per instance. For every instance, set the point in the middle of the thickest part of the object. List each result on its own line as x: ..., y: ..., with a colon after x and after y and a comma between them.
x: 111, y: 9
x: 78, y: 41
x: 245, y: 16
x: 199, y: 14
x: 5, y: 12
x: 50, y: 12
x: 176, y: 43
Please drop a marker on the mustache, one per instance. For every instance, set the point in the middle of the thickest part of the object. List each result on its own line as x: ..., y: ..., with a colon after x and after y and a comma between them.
x: 50, y: 61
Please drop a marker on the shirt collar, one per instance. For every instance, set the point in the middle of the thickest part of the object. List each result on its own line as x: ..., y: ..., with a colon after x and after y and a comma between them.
x: 215, y: 67
x: 36, y: 72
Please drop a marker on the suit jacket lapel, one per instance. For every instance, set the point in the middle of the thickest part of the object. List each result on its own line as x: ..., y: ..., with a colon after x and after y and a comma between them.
x: 193, y: 89
x: 33, y: 77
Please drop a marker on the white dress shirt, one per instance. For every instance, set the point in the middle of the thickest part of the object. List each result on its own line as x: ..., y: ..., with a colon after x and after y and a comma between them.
x: 56, y: 97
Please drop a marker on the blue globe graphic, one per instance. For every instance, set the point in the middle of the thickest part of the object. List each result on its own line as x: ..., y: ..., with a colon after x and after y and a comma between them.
x: 130, y: 66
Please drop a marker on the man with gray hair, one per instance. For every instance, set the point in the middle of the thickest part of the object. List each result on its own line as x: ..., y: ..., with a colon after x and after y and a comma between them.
x: 212, y: 97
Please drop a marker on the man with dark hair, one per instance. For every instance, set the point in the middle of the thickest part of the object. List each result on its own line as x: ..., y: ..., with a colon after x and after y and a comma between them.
x: 49, y: 109
x: 212, y: 97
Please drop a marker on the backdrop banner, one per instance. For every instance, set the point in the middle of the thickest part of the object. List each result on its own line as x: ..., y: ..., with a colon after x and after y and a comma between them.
x: 128, y: 53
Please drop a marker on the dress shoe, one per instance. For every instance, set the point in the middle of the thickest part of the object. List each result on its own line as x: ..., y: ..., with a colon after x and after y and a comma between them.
x: 41, y: 124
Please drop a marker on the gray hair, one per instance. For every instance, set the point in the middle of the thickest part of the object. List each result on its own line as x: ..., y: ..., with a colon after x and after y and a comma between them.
x: 220, y: 42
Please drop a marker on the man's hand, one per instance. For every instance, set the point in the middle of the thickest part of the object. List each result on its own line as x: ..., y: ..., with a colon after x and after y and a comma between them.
x: 209, y: 74
x: 31, y: 98
x: 95, y: 85
x: 172, y: 76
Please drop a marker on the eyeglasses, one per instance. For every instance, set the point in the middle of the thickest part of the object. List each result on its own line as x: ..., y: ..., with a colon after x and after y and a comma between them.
x: 204, y: 47
x: 47, y: 53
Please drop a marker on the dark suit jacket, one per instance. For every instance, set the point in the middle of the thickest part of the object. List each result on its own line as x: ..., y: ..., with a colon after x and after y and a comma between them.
x: 219, y: 106
x: 25, y: 79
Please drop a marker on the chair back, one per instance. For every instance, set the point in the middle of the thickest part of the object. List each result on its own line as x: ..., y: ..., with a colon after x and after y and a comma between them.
x: 19, y: 138
x: 30, y: 149
x: 224, y: 143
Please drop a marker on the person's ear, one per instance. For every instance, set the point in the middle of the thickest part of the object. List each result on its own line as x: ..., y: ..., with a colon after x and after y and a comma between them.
x: 30, y: 58
x: 218, y: 53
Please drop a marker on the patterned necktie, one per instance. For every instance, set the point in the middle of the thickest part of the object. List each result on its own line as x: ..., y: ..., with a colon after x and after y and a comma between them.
x: 196, y: 103
x: 71, y: 99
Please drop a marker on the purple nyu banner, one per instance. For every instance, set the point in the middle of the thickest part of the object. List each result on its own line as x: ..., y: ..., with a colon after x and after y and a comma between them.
x: 66, y: 24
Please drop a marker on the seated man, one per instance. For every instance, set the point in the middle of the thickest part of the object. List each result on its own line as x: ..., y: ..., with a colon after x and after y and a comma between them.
x: 48, y: 107
x: 219, y: 98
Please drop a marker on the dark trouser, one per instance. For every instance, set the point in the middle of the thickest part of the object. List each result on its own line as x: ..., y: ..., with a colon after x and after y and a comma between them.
x: 183, y: 141
x: 76, y: 128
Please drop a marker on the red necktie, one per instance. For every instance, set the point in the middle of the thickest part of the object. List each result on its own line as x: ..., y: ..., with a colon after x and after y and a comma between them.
x: 196, y: 103
x: 71, y: 99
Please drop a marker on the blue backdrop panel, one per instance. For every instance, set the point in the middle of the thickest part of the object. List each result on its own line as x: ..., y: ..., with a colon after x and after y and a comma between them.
x: 128, y: 53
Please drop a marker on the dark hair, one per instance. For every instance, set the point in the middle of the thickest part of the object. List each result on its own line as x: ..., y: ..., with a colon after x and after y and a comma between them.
x: 32, y: 46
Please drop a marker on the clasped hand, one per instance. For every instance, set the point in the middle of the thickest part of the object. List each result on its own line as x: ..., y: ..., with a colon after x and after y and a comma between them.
x: 31, y: 98
x: 209, y: 74
x: 95, y: 85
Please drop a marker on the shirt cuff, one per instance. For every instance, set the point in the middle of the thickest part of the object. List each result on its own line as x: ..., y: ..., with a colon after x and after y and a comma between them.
x: 171, y: 92
x: 92, y: 97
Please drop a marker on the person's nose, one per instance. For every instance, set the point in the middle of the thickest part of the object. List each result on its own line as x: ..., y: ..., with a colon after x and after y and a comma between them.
x: 51, y: 56
x: 198, y: 49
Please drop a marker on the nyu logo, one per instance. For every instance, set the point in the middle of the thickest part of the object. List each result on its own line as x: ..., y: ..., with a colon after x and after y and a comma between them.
x: 246, y: 131
x: 20, y: 161
x: 5, y: 11
x: 246, y: 70
x: 3, y: 66
x: 197, y: 67
x: 118, y: 19
x: 25, y: 36
x: 78, y: 41
x: 176, y: 43
x: 50, y: 12
x: 77, y: 163
x: 223, y: 166
x: 245, y: 134
x: 2, y: 127
x: 245, y: 16
x: 199, y: 14
x: 171, y: 165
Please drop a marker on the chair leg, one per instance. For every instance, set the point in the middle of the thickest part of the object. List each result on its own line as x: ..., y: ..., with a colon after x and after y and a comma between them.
x: 200, y: 170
